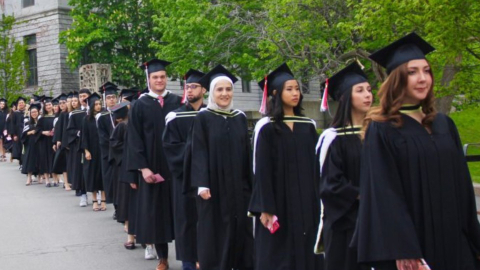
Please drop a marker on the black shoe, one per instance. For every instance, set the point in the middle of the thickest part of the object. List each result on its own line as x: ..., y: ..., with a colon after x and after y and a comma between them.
x: 114, y: 215
x: 78, y: 193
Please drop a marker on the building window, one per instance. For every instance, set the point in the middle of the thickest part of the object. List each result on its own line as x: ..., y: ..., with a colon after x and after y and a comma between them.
x: 31, y: 42
x: 246, y: 88
x: 28, y: 3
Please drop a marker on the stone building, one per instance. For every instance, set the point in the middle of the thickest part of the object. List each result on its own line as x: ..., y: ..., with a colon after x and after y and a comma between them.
x: 39, y: 23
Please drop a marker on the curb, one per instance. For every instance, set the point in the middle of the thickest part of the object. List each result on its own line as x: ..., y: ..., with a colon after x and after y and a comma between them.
x: 476, y: 188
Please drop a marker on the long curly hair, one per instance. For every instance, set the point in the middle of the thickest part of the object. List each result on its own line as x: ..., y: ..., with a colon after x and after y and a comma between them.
x: 391, y: 94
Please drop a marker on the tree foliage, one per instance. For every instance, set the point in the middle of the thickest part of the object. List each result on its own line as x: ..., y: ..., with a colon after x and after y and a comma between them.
x: 316, y: 38
x: 12, y: 61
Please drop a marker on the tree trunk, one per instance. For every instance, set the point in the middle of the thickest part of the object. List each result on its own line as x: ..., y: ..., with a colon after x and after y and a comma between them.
x: 444, y: 104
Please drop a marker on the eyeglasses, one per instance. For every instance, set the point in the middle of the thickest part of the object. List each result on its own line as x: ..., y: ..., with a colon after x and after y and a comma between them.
x: 192, y: 86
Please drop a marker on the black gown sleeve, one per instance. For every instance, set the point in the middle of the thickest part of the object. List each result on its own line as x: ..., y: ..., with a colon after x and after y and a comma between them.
x: 57, y: 135
x: 263, y: 196
x: 337, y: 192
x: 199, y: 174
x: 85, y: 142
x: 116, y: 144
x: 174, y: 148
x: 137, y: 157
x: 470, y: 223
x: 385, y: 229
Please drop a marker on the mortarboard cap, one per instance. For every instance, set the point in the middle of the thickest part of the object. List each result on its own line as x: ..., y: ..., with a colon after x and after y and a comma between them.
x: 217, y: 71
x: 342, y: 81
x: 92, y: 98
x: 20, y: 98
x: 74, y: 94
x: 3, y: 100
x: 409, y: 47
x: 62, y: 96
x: 108, y: 89
x: 47, y: 99
x: 193, y: 76
x: 154, y: 65
x: 120, y: 110
x: 37, y: 97
x: 35, y: 105
x: 84, y: 91
x: 55, y: 101
x: 129, y: 92
x: 276, y: 79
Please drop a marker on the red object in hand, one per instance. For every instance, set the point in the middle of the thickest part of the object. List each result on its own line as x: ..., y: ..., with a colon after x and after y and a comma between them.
x: 158, y: 178
x: 275, y: 225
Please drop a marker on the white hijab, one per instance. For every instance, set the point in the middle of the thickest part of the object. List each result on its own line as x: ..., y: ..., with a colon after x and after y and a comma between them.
x: 211, y: 103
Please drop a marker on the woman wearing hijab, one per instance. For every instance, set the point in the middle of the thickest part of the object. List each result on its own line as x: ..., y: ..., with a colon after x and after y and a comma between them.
x: 417, y: 201
x: 222, y: 173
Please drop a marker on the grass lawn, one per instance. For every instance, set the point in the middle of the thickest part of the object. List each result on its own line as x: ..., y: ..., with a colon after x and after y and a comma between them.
x: 468, y: 124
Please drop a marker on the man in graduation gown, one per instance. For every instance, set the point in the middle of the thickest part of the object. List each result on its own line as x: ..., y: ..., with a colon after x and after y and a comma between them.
x: 16, y: 129
x: 105, y: 124
x: 177, y: 130
x: 145, y: 154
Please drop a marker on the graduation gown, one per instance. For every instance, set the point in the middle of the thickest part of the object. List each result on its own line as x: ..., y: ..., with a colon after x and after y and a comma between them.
x: 129, y: 177
x: 221, y: 162
x: 286, y: 185
x: 339, y: 192
x: 154, y: 206
x: 91, y: 168
x: 417, y: 199
x: 122, y: 188
x: 178, y: 128
x: 60, y: 158
x: 16, y: 129
x: 105, y: 125
x: 74, y: 158
x: 8, y: 141
x: 3, y: 122
x: 45, y: 144
x: 30, y: 157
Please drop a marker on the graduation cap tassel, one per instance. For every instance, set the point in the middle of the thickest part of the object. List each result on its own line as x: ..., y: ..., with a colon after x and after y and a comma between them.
x: 324, y: 103
x: 104, y: 102
x: 146, y: 74
x: 184, y: 98
x: 263, y: 106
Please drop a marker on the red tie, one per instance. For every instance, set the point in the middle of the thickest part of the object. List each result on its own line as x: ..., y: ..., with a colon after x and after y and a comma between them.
x: 160, y: 100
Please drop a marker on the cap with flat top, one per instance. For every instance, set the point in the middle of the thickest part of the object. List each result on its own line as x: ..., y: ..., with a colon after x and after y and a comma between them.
x: 342, y: 81
x: 407, y: 48
x: 216, y: 72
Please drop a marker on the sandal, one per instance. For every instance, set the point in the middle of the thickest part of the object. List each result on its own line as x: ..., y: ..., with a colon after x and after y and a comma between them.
x: 129, y: 245
x: 95, y: 209
x: 67, y: 187
x: 104, y: 206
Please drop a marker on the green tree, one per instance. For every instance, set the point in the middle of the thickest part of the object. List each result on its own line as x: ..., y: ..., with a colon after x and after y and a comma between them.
x: 12, y: 61
x: 452, y: 26
x: 111, y: 32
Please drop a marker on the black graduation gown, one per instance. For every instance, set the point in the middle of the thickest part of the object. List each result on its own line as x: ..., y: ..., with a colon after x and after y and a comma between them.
x: 122, y: 189
x: 91, y: 168
x: 221, y: 162
x: 129, y: 177
x: 145, y: 150
x: 286, y: 185
x: 46, y: 153
x: 60, y: 159
x: 3, y: 122
x: 74, y: 158
x: 417, y: 199
x: 30, y: 157
x: 8, y: 143
x: 339, y: 191
x: 105, y: 124
x: 16, y: 129
x: 178, y: 128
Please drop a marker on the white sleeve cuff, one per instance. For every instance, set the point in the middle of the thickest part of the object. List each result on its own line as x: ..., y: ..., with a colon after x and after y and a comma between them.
x: 202, y: 189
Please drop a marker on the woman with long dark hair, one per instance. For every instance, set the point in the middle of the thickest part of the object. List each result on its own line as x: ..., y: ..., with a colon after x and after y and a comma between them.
x: 91, y: 148
x: 285, y: 197
x: 60, y: 159
x: 29, y: 140
x: 221, y: 172
x: 417, y: 201
x: 3, y: 127
x: 339, y: 151
x: 46, y: 153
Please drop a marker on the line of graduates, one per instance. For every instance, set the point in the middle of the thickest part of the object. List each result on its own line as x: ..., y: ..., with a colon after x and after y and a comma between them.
x: 385, y: 187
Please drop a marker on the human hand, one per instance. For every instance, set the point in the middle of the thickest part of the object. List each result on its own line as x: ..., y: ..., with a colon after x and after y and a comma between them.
x: 408, y: 264
x: 206, y: 194
x: 88, y: 156
x: 147, y: 175
x: 266, y: 219
x: 134, y: 186
x: 15, y: 138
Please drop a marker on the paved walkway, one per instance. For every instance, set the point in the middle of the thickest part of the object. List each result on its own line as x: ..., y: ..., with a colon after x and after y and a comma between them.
x: 44, y: 228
